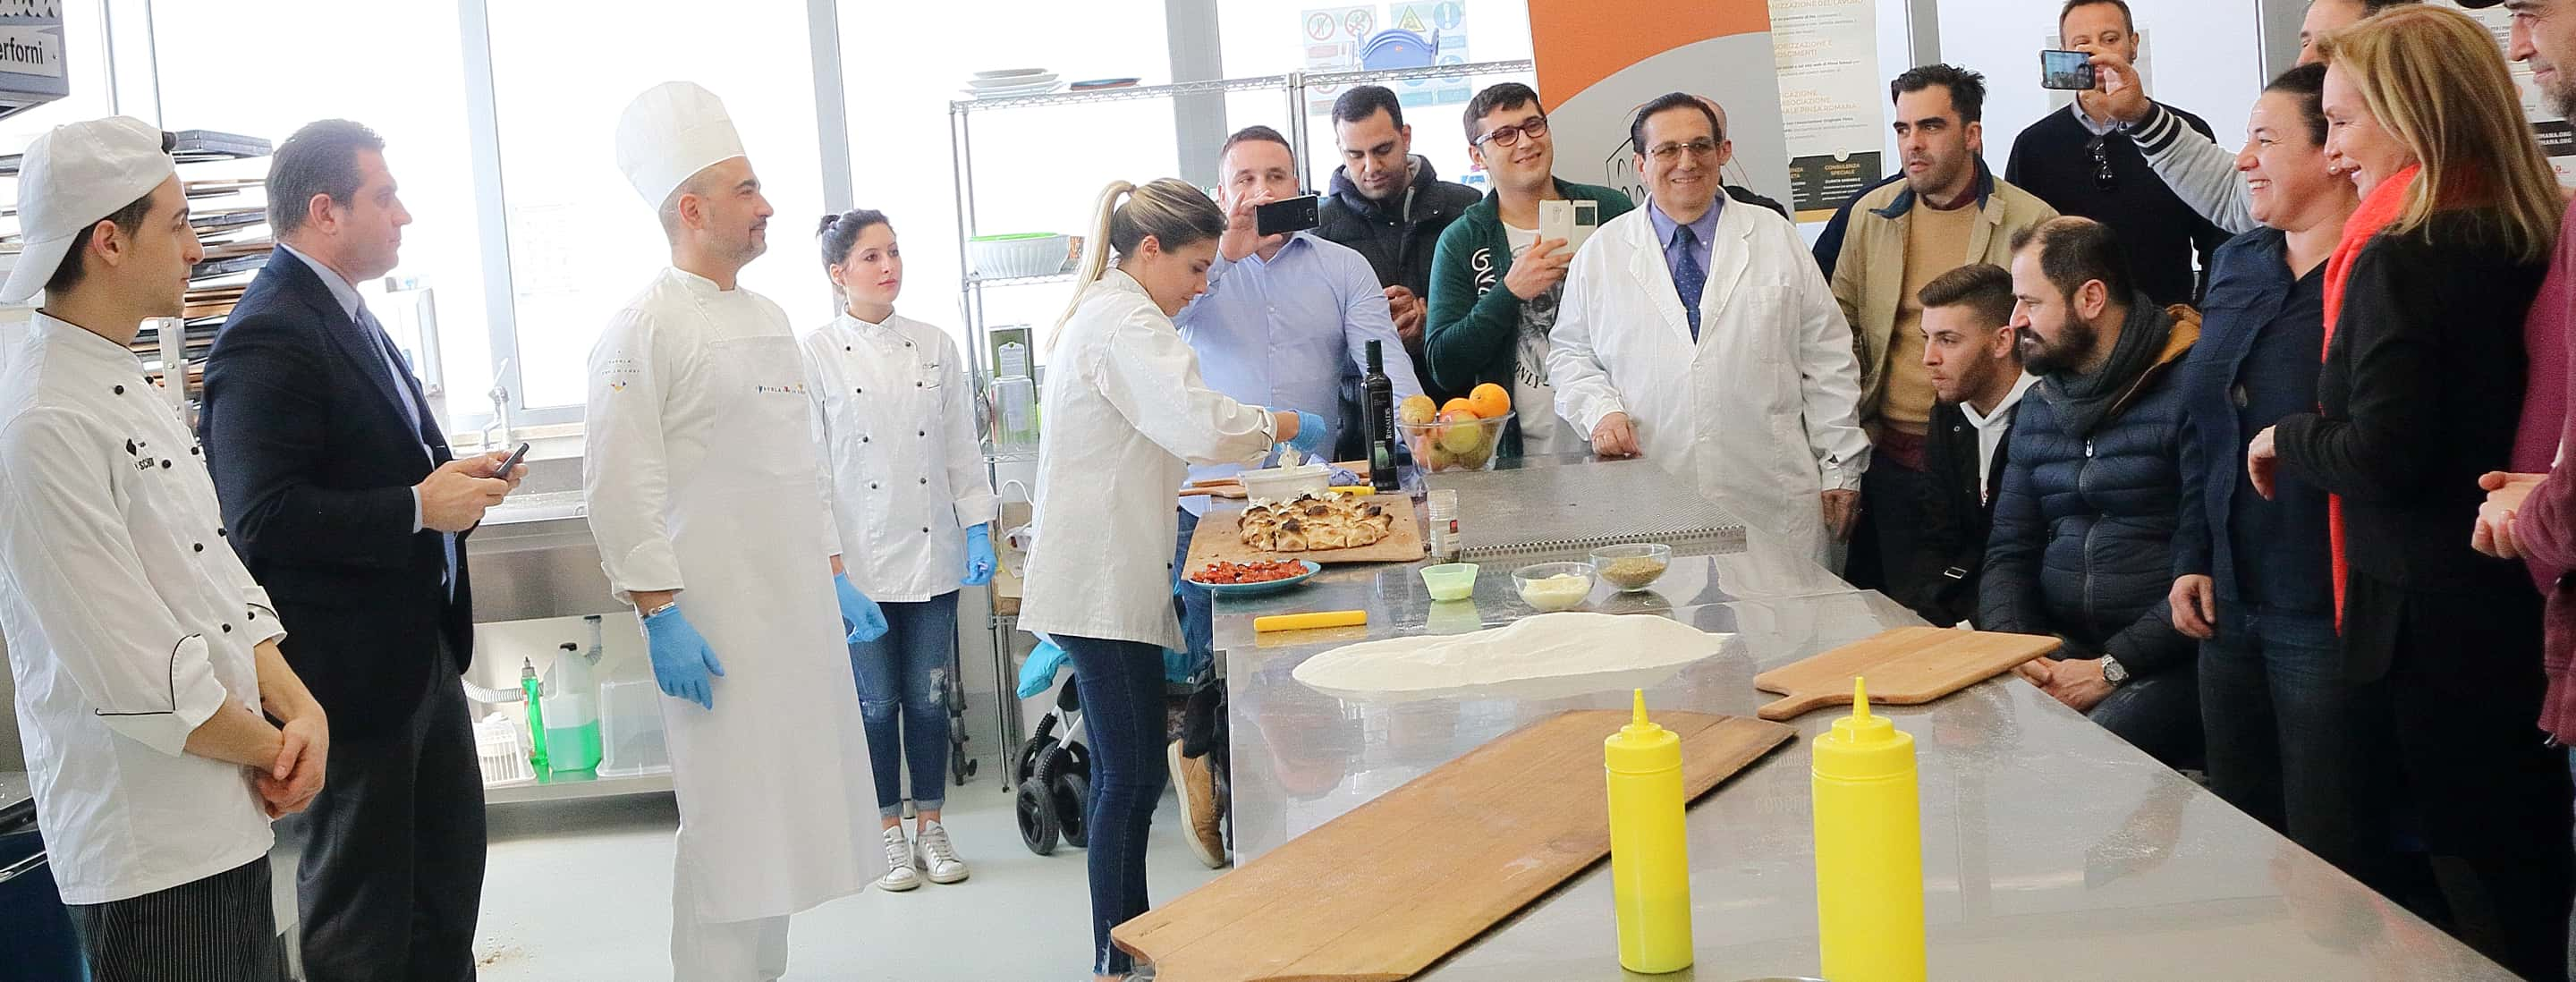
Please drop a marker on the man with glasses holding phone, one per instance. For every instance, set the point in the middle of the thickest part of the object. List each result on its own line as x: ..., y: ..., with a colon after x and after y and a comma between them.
x: 1495, y: 280
x: 2085, y: 162
x: 1700, y: 336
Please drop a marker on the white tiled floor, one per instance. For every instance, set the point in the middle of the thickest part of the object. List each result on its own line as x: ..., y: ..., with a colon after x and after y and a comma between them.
x: 580, y: 891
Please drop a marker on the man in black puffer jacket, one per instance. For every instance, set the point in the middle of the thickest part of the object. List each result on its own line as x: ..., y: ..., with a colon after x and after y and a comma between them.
x: 1390, y: 206
x: 2082, y: 546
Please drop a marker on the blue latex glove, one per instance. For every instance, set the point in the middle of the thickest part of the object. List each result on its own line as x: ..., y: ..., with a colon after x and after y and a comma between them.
x: 1309, y: 438
x: 866, y: 622
x: 979, y: 556
x: 682, y: 663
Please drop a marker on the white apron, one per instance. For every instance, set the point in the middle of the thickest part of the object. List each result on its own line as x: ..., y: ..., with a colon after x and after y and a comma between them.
x: 776, y: 812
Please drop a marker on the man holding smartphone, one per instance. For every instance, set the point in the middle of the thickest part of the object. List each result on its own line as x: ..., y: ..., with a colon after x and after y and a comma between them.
x: 2202, y: 171
x: 1497, y: 276
x: 2085, y: 163
x: 342, y: 496
x: 1286, y: 316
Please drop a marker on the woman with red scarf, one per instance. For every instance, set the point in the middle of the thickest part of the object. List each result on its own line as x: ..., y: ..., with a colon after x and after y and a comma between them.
x: 2420, y: 394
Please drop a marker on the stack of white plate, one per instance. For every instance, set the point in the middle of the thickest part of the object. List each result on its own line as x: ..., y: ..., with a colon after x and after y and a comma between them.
x: 1010, y: 82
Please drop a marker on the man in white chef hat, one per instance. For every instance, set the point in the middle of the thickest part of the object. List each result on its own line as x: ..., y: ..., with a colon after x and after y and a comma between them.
x: 146, y: 657
x: 710, y: 507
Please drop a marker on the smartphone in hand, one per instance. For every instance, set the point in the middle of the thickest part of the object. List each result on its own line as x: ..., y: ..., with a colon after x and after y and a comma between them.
x: 2066, y: 70
x: 1288, y: 215
x: 511, y: 464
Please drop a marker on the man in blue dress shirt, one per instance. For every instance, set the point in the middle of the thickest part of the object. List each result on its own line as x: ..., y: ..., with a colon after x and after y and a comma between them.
x: 1286, y: 320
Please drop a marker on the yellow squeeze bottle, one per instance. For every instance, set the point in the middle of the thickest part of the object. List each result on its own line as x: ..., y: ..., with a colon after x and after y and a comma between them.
x: 1869, y: 850
x: 1649, y: 857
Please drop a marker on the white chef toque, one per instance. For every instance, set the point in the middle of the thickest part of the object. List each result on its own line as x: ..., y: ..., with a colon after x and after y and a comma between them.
x: 669, y: 134
x: 70, y: 178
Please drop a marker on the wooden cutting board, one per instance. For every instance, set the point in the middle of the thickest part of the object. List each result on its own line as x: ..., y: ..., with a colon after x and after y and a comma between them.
x: 1220, y: 539
x: 1904, y: 666
x: 1382, y: 892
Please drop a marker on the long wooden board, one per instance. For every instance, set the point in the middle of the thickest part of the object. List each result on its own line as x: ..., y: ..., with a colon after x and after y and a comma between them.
x: 1904, y: 666
x: 1384, y: 891
x: 1220, y: 538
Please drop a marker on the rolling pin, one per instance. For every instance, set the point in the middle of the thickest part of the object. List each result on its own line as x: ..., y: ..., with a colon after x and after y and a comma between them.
x: 1307, y: 622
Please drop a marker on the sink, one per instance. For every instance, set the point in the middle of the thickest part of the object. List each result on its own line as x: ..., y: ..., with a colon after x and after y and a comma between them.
x: 533, y: 556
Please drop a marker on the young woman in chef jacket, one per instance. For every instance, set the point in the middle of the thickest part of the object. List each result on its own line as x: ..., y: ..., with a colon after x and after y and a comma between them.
x: 1126, y: 413
x: 913, y: 505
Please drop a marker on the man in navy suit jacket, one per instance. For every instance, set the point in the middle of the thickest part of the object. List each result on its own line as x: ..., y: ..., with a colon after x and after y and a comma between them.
x: 342, y: 497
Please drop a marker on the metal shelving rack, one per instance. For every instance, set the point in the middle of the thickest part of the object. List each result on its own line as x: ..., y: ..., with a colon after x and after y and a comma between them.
x: 1292, y: 86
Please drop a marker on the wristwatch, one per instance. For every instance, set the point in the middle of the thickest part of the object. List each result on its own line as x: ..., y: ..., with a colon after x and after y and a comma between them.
x: 2114, y: 672
x: 667, y: 606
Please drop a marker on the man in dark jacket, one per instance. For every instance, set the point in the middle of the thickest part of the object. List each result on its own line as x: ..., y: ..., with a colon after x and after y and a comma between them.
x: 345, y: 502
x: 2082, y: 546
x: 2083, y: 161
x: 1975, y: 367
x: 1390, y: 206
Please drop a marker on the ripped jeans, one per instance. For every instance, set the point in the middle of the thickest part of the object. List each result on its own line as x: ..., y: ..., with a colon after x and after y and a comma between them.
x: 904, y: 676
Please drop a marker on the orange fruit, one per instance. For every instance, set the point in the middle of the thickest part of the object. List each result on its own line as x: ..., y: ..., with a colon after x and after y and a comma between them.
x: 1456, y: 406
x: 1490, y: 401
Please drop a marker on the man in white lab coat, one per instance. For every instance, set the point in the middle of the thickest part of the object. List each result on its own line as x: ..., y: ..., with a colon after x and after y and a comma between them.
x: 711, y: 512
x: 145, y: 656
x: 1700, y: 335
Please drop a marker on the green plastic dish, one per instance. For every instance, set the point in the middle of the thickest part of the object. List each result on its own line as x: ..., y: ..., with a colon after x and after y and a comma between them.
x: 1450, y: 581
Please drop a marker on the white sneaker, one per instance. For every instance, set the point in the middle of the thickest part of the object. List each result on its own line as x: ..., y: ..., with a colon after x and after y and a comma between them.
x: 937, y: 857
x: 902, y: 863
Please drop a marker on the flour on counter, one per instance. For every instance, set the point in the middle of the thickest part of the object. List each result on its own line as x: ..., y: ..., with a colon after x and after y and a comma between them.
x: 1542, y: 647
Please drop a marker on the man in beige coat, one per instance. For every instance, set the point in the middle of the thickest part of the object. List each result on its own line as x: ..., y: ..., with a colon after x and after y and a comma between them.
x: 1948, y: 212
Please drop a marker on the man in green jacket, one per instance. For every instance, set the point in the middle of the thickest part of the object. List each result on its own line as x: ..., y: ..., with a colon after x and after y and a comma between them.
x: 1495, y: 283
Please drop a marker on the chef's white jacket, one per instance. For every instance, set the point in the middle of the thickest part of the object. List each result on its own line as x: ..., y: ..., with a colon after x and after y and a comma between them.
x: 129, y: 622
x: 1759, y: 413
x: 899, y: 437
x: 1126, y: 412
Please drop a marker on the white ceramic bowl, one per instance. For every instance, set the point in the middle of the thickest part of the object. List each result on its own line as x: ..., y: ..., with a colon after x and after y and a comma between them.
x: 1000, y: 258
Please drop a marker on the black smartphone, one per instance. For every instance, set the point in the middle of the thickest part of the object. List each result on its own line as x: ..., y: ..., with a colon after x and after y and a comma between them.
x: 1289, y: 215
x: 2069, y: 70
x: 512, y: 463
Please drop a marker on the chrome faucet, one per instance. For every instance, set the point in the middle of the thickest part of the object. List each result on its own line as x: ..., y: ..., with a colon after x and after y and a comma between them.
x: 500, y: 396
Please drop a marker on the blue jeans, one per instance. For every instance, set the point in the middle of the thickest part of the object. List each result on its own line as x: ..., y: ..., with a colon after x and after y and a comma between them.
x: 1192, y: 602
x: 905, y: 674
x: 2281, y: 727
x: 1122, y: 712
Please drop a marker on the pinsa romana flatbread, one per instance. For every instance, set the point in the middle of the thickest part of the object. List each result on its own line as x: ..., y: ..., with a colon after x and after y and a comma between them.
x: 1311, y: 523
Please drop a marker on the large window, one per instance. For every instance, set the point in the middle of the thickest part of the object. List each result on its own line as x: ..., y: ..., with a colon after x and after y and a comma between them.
x: 580, y: 242
x: 1036, y: 170
x: 395, y: 67
x: 499, y: 120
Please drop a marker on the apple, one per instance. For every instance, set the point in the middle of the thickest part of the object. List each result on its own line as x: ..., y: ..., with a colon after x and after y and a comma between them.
x: 1465, y: 434
x: 1416, y: 411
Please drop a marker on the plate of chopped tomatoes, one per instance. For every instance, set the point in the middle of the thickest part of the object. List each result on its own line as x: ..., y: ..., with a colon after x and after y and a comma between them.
x: 1253, y: 579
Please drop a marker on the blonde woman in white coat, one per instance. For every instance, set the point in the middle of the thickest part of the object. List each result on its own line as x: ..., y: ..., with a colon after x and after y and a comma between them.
x: 1126, y: 413
x: 914, y: 508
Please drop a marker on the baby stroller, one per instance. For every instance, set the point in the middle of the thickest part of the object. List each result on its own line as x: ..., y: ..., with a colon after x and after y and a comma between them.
x: 1053, y: 774
x: 1052, y: 771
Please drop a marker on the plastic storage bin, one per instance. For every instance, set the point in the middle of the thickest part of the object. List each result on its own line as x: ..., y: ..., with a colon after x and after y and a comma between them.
x: 504, y: 757
x: 630, y: 728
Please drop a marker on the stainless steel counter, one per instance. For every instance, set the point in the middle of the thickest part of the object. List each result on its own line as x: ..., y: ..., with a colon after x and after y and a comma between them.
x: 2052, y: 850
